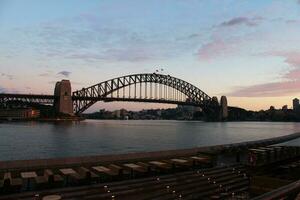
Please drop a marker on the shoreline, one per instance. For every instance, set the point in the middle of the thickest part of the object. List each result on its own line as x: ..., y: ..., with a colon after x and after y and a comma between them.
x: 78, y: 119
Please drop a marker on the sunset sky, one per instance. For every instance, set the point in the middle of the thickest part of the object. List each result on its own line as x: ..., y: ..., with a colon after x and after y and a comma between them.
x: 248, y: 50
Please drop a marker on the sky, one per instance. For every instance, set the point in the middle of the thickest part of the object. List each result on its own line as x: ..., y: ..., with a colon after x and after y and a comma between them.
x: 248, y: 50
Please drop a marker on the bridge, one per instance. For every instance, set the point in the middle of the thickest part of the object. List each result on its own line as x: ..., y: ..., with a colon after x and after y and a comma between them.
x: 147, y: 87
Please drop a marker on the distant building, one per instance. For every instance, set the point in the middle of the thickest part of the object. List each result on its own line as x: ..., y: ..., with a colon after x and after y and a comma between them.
x: 295, y: 104
x: 123, y: 113
x: 158, y: 112
x: 26, y: 113
x: 117, y: 113
x: 285, y: 108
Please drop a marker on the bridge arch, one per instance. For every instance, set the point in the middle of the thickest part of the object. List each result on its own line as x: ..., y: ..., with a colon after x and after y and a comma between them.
x: 86, y: 97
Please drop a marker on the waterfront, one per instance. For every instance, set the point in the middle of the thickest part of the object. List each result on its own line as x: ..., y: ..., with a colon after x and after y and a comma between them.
x: 32, y: 140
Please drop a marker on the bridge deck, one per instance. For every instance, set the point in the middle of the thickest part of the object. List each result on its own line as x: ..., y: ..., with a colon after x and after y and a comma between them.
x: 38, y: 96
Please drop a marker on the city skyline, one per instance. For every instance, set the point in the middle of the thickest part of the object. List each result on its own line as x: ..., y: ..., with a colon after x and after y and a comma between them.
x: 246, y: 50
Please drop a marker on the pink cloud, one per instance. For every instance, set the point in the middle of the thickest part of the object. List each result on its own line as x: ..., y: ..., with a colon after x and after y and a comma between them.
x: 289, y: 86
x: 215, y: 49
x: 292, y: 58
x: 268, y: 89
x: 293, y: 74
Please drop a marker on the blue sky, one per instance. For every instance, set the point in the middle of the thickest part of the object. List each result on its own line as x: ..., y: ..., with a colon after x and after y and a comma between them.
x: 246, y: 49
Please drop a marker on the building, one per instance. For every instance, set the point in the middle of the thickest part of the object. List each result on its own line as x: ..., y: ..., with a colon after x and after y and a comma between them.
x: 24, y: 113
x: 123, y: 112
x: 295, y: 104
x: 272, y: 108
x: 285, y: 108
x: 117, y: 114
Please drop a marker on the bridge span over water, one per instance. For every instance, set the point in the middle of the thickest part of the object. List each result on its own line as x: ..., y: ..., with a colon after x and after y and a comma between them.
x: 147, y: 87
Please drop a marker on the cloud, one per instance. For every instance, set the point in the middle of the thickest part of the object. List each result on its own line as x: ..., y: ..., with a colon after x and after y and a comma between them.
x: 212, y: 49
x: 292, y: 21
x: 94, y: 41
x: 289, y: 84
x: 46, y: 74
x: 268, y: 89
x: 10, y: 90
x: 8, y: 76
x: 128, y: 54
x: 219, y: 48
x: 241, y: 21
x: 90, y: 38
x: 64, y: 73
x: 190, y: 37
x: 72, y: 82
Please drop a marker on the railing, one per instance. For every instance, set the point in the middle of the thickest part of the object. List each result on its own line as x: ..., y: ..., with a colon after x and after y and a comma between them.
x: 289, y: 191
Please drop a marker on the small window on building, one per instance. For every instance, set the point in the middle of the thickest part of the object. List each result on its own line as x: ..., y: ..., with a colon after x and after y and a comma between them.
x: 66, y: 93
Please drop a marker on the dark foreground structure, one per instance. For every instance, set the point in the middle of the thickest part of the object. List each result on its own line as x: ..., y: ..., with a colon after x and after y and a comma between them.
x: 249, y: 170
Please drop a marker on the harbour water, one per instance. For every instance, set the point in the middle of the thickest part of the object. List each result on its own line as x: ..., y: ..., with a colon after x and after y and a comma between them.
x: 33, y: 140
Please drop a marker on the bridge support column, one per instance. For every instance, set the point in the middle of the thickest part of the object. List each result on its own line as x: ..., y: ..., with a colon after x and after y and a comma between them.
x: 212, y: 112
x: 224, y: 108
x: 217, y: 111
x: 63, y: 103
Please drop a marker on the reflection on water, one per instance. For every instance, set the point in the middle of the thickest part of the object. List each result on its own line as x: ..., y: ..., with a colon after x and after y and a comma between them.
x: 28, y: 140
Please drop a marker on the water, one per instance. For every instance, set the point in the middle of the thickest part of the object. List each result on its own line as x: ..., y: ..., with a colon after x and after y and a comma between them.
x: 30, y: 140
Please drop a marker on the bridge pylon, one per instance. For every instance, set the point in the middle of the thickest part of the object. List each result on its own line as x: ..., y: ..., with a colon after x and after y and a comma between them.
x: 224, y: 108
x: 216, y: 111
x: 63, y: 103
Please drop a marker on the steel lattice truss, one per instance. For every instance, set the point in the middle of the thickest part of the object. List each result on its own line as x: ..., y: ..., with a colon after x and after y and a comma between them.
x: 6, y: 99
x: 156, y: 88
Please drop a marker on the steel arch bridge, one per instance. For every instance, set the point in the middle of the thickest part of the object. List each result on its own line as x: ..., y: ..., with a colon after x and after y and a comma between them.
x: 149, y: 87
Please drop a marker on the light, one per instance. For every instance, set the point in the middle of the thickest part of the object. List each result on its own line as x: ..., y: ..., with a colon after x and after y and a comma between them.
x: 168, y: 187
